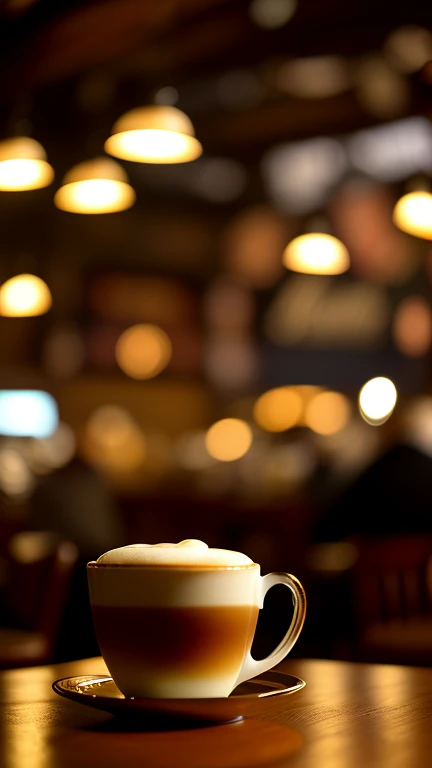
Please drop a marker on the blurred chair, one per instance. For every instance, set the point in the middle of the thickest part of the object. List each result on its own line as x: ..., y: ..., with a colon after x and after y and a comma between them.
x: 41, y: 567
x: 393, y: 600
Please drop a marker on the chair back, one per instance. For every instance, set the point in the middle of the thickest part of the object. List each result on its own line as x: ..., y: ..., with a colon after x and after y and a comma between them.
x: 391, y: 579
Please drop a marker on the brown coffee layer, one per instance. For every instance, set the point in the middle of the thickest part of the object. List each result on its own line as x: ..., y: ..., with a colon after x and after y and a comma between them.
x: 192, y: 641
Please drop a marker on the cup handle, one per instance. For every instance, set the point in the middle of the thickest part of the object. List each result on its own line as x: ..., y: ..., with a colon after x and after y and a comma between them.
x: 251, y: 667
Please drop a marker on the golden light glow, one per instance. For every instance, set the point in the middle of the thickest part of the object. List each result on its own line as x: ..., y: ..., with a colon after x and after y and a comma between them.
x: 409, y: 48
x: 412, y: 326
x: 24, y: 296
x: 54, y: 451
x: 16, y: 479
x: 143, y: 351
x: 278, y: 409
x: 315, y: 77
x: 316, y: 254
x: 380, y: 90
x: 228, y: 439
x: 114, y: 441
x: 377, y: 400
x: 95, y: 186
x: 272, y: 14
x: 191, y: 451
x: 23, y: 165
x: 154, y: 134
x: 327, y: 413
x: 413, y: 214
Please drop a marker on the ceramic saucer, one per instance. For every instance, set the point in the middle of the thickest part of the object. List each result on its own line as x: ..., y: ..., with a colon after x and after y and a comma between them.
x: 101, y: 692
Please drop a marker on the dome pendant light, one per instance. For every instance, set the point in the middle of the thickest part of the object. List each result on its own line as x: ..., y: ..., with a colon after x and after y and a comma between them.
x: 154, y: 134
x: 24, y: 295
x: 95, y: 186
x: 23, y: 165
x: 316, y: 253
x: 413, y: 214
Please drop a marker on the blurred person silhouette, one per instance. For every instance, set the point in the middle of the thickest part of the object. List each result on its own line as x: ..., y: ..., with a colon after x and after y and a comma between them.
x: 390, y: 496
x: 75, y: 503
x: 393, y: 495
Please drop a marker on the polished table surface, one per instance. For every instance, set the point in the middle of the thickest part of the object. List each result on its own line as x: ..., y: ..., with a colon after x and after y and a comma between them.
x: 349, y: 715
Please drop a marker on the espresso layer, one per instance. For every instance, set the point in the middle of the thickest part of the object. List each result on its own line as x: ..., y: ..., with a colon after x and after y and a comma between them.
x: 208, y: 641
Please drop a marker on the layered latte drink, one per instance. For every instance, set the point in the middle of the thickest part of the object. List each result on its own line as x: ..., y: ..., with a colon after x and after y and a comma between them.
x: 177, y: 620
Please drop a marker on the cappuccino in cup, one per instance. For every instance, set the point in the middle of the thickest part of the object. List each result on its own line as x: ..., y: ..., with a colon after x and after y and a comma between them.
x: 178, y: 620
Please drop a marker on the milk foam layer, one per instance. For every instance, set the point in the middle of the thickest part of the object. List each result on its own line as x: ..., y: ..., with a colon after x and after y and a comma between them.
x: 190, y: 552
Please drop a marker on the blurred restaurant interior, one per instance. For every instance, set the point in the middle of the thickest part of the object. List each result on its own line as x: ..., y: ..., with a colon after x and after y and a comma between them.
x: 216, y: 307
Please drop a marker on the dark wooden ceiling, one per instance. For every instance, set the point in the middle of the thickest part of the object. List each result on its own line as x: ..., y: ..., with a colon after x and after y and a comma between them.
x: 141, y: 45
x: 69, y: 69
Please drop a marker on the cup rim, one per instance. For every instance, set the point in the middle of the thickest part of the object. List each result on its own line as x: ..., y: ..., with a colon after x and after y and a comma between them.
x: 93, y: 564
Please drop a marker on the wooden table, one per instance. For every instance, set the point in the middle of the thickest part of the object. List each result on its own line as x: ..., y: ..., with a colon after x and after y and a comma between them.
x: 348, y: 716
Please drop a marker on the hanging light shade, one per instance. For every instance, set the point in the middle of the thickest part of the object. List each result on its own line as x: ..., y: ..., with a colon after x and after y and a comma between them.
x: 316, y: 253
x: 155, y: 134
x: 23, y: 165
x: 413, y: 214
x: 24, y: 296
x: 95, y: 186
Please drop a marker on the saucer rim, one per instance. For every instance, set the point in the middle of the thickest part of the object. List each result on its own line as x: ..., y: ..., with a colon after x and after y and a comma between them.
x: 71, y: 694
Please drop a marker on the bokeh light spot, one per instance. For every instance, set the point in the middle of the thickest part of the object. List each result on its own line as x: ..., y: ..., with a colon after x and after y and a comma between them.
x: 278, y: 409
x: 57, y: 450
x: 228, y: 439
x: 412, y: 326
x: 143, y: 351
x: 114, y: 441
x: 27, y: 413
x: 327, y: 413
x: 408, y: 48
x: 377, y: 400
x: 272, y: 14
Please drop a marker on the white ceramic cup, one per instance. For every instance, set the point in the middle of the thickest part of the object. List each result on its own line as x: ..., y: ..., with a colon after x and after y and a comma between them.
x: 184, y: 632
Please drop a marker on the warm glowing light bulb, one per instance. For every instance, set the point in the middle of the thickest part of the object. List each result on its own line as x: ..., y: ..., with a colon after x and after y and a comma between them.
x: 154, y: 134
x: 316, y: 254
x: 24, y: 296
x: 377, y: 400
x: 95, y: 186
x: 143, y: 351
x: 413, y: 214
x: 327, y: 413
x: 23, y: 165
x: 228, y: 439
x: 278, y: 409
